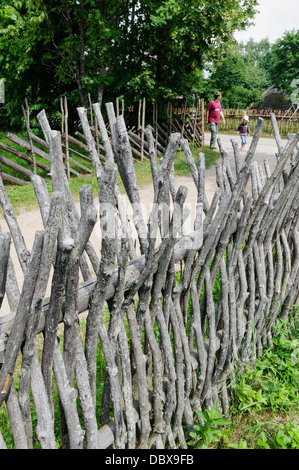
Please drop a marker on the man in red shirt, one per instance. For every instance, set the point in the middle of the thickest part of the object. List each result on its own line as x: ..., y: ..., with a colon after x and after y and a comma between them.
x: 214, y: 112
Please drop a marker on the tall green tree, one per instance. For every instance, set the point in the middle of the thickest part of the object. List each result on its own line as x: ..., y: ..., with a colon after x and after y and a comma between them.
x: 177, y: 37
x: 154, y: 48
x: 282, y: 61
x: 255, y: 51
x: 239, y: 75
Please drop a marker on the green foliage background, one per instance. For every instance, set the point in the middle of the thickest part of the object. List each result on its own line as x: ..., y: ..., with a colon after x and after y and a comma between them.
x: 122, y: 48
x: 160, y: 49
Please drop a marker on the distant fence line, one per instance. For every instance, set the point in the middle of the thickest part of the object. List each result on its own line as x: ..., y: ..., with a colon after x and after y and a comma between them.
x: 264, y: 113
x: 287, y: 123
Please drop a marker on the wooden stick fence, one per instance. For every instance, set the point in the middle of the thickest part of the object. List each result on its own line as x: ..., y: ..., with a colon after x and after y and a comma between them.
x: 285, y: 123
x: 43, y: 152
x: 169, y: 346
x: 188, y: 122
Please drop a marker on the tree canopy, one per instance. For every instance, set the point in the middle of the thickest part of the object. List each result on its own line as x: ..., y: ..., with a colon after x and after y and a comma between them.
x: 128, y: 48
x: 282, y: 61
x: 246, y: 70
x: 240, y: 75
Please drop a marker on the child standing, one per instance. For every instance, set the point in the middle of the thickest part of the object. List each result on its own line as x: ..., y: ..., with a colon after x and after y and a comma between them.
x: 244, y: 131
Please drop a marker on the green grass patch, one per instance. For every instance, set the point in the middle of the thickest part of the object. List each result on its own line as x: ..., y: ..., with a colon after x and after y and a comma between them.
x: 274, y: 382
x: 264, y: 412
x: 181, y: 166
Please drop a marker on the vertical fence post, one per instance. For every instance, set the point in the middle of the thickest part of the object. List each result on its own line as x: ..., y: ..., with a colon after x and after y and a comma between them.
x: 142, y: 130
x: 26, y: 114
x: 184, y: 118
x: 66, y: 115
x: 139, y: 117
x: 195, y: 120
x: 62, y: 117
x: 90, y: 110
x: 202, y: 104
x: 156, y: 126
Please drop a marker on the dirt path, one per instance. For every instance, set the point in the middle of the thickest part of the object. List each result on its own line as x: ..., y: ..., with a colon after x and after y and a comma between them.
x: 30, y: 221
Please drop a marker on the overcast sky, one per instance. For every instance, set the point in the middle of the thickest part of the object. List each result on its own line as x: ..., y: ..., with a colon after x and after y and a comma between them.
x: 274, y: 18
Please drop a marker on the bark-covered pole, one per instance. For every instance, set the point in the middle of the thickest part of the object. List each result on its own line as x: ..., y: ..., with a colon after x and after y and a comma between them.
x: 68, y: 398
x: 16, y: 419
x: 86, y: 224
x: 120, y: 204
x: 91, y: 143
x: 130, y: 181
x: 74, y: 357
x: 15, y: 231
x: 5, y: 241
x: 107, y: 264
x: 52, y: 318
x: 117, y: 336
x: 17, y: 332
x: 49, y: 245
x: 26, y: 113
x: 67, y: 152
x: 103, y: 131
x: 142, y: 127
x: 45, y: 421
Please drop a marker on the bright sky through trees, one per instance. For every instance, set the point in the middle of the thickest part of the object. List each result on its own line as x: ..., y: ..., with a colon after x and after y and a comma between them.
x: 274, y: 18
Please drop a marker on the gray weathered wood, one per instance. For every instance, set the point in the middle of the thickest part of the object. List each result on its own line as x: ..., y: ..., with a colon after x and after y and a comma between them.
x: 163, y: 325
x: 17, y: 332
x: 4, y: 258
